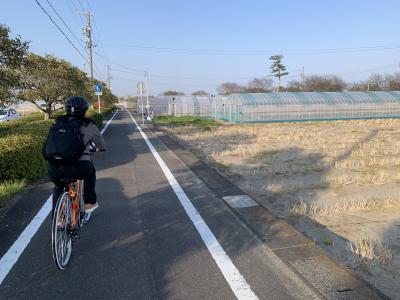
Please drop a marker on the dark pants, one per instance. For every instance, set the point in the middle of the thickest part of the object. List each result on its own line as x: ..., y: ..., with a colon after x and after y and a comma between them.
x: 79, y: 170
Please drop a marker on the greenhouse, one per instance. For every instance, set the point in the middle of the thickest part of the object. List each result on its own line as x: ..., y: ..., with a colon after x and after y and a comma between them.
x: 193, y: 105
x: 179, y: 105
x: 157, y: 105
x: 306, y: 106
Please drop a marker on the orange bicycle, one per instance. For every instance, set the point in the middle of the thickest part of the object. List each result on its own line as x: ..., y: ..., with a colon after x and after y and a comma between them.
x: 68, y: 215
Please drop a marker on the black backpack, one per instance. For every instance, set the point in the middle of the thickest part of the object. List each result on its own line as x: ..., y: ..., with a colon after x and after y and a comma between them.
x: 64, y: 143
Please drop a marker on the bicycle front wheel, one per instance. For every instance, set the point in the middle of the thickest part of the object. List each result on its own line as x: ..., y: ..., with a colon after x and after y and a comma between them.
x: 61, y: 231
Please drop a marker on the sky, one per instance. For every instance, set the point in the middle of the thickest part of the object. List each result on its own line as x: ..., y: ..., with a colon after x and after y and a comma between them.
x: 197, y: 45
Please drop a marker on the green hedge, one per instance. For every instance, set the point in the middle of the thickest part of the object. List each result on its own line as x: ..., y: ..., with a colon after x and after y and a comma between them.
x: 21, y: 145
x: 5, y: 126
x: 98, y: 118
x: 21, y: 157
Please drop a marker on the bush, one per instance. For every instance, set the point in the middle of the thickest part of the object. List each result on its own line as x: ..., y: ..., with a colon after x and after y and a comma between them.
x: 5, y: 126
x: 20, y: 151
x: 98, y: 118
x: 21, y: 144
x: 21, y: 156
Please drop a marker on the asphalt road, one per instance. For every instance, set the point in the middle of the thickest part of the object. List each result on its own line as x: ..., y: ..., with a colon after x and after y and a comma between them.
x: 141, y: 243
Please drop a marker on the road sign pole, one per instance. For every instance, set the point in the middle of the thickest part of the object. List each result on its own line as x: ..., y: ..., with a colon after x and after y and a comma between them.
x: 98, y: 91
x: 98, y: 103
x: 141, y: 98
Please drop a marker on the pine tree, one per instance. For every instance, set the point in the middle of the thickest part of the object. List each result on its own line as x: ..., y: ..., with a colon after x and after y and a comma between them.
x: 277, y: 68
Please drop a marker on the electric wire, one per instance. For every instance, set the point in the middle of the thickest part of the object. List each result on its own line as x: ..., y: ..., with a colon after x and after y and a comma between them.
x: 63, y: 33
x: 65, y: 24
x: 251, y: 52
x: 59, y: 29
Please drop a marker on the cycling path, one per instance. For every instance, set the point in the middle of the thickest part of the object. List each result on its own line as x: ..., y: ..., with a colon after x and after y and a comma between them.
x: 160, y: 233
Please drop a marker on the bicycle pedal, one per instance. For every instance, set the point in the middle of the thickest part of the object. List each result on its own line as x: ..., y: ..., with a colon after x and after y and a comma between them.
x: 75, y: 234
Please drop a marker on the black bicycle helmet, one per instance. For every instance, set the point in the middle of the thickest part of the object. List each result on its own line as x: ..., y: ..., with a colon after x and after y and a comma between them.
x: 76, y: 106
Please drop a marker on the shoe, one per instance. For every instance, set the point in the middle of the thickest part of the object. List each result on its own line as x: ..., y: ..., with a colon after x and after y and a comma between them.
x: 88, y: 213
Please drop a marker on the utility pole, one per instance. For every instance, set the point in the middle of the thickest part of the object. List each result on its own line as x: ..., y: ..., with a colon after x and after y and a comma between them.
x: 140, y: 88
x: 87, y: 31
x: 147, y: 95
x: 302, y: 78
x: 108, y: 77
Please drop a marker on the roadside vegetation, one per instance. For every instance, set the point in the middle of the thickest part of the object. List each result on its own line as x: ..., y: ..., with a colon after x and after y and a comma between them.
x: 203, y: 123
x: 30, y: 77
x: 21, y: 158
x: 9, y: 189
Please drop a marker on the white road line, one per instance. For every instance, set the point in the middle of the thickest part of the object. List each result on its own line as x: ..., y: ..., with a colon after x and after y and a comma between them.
x: 108, y: 123
x: 14, y: 252
x: 236, y: 281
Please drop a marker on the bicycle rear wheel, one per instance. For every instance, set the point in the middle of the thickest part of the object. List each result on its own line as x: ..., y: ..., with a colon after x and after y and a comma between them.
x: 81, y: 212
x: 61, y: 231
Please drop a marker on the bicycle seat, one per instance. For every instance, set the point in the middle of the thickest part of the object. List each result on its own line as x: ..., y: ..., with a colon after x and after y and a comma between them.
x: 67, y: 180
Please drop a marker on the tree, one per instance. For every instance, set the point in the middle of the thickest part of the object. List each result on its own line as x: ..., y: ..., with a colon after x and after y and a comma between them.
x: 393, y: 82
x: 324, y: 83
x: 229, y: 88
x: 12, y: 55
x: 107, y: 98
x: 173, y: 93
x: 378, y: 82
x: 259, y: 85
x: 294, y: 86
x: 200, y: 93
x: 277, y: 68
x: 359, y: 86
x: 52, y: 80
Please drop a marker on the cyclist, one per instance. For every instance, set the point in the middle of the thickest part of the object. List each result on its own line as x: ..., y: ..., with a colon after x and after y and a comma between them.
x: 76, y: 108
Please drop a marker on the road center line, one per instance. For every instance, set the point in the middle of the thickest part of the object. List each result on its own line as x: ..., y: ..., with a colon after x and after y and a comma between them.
x: 14, y: 252
x: 236, y: 281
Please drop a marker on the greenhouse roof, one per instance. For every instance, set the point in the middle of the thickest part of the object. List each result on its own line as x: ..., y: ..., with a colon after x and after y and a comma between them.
x: 309, y: 98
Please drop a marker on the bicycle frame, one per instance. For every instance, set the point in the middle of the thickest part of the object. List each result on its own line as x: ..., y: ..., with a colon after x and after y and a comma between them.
x: 75, y: 192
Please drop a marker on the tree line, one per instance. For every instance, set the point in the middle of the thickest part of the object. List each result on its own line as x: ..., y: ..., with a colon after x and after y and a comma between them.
x: 311, y: 83
x: 30, y: 77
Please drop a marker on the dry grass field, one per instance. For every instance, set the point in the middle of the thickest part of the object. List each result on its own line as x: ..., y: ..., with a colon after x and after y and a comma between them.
x: 344, y: 175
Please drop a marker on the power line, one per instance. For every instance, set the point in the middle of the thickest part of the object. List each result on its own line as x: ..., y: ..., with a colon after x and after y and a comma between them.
x: 369, y: 70
x: 251, y: 52
x: 62, y: 32
x: 187, y: 78
x: 87, y: 31
x: 118, y: 64
x: 95, y: 26
x: 76, y: 10
x: 96, y: 68
x: 80, y: 4
x: 65, y: 24
x: 166, y: 83
x: 204, y: 78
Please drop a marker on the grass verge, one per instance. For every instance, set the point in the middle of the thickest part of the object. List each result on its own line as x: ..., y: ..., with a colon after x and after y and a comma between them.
x: 186, y: 120
x: 9, y: 189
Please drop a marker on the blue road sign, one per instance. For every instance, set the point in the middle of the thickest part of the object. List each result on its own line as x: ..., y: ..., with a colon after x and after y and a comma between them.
x: 98, y: 88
